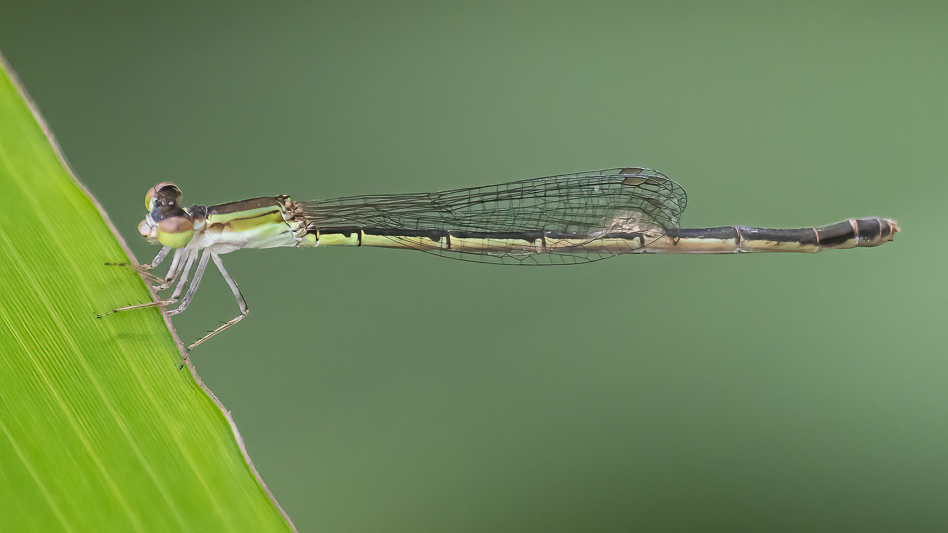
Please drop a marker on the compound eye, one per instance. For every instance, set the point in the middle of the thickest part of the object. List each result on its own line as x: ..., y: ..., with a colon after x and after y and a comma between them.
x: 175, y: 232
x: 163, y: 192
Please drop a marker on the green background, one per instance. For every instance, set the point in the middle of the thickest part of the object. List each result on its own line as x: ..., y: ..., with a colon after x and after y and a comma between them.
x: 381, y: 390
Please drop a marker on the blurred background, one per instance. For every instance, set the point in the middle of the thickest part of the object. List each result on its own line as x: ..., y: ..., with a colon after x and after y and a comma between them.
x: 383, y: 390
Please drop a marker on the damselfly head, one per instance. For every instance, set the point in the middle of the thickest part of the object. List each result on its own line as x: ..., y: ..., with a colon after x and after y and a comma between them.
x: 166, y: 222
x: 165, y: 193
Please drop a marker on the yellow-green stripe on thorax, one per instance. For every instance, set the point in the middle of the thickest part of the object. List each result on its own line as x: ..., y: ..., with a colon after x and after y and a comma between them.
x: 255, y: 223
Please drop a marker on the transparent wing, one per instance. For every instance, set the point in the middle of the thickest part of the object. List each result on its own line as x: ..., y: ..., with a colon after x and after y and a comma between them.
x: 573, y: 209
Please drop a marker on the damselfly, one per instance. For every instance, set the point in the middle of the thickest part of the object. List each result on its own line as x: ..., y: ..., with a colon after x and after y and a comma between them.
x: 568, y: 219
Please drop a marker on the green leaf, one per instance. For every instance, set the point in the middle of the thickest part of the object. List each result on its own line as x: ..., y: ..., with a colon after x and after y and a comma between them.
x: 99, y: 430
